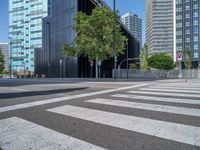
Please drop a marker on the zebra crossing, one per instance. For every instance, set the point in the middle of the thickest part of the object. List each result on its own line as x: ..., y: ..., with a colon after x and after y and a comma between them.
x: 173, y: 94
x: 33, y: 136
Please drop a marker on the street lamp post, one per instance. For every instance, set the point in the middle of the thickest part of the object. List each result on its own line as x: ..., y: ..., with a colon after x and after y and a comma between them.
x: 48, y: 48
x: 10, y: 66
x: 115, y: 57
x: 127, y: 69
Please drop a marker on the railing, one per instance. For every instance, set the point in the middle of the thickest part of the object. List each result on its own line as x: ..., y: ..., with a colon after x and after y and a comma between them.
x: 158, y: 74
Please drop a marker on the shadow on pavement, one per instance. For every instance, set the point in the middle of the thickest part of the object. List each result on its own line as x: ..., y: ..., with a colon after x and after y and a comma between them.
x: 22, y: 82
x: 38, y: 93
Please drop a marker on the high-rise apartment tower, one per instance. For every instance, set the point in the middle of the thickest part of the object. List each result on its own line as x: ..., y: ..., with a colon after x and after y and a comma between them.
x: 25, y: 32
x: 159, y: 26
x: 134, y: 23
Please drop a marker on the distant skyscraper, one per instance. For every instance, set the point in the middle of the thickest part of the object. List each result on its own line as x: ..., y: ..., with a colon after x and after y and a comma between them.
x: 187, y: 28
x: 134, y: 24
x: 4, y: 48
x: 159, y: 26
x: 25, y: 32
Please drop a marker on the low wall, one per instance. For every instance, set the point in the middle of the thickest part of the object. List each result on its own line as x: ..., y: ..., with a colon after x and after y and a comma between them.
x: 157, y: 74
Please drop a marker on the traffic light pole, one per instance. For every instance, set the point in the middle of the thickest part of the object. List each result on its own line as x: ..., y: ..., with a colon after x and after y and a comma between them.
x: 115, y: 57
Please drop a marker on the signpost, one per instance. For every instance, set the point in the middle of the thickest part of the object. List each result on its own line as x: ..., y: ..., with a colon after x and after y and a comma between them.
x: 179, y: 58
x: 99, y: 67
x: 91, y: 65
x: 60, y: 68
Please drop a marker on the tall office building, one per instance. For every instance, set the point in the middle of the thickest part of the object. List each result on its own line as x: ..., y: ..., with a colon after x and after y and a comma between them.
x: 4, y: 48
x: 134, y: 23
x: 159, y: 26
x: 187, y: 28
x: 25, y: 32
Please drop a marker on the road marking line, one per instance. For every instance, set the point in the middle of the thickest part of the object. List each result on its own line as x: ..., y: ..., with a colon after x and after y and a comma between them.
x: 17, y: 133
x: 165, y: 94
x: 184, y: 86
x: 160, y: 99
x: 177, y: 88
x: 21, y: 90
x: 151, y: 107
x: 169, y: 90
x: 54, y: 100
x: 167, y: 130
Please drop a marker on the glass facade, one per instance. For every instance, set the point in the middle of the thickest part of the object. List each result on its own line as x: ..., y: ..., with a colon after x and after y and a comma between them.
x: 25, y: 32
x: 4, y: 48
x: 187, y: 27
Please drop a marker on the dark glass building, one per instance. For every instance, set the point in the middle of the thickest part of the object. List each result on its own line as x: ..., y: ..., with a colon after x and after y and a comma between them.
x: 58, y: 30
x: 188, y: 28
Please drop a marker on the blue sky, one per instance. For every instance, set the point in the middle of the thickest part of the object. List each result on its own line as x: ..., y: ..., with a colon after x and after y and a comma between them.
x: 124, y: 6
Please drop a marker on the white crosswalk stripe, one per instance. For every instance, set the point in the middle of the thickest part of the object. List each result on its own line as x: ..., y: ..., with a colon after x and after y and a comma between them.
x: 180, y: 85
x: 167, y: 130
x: 177, y: 88
x: 152, y: 107
x: 165, y: 94
x: 170, y: 90
x: 159, y: 99
x: 19, y: 134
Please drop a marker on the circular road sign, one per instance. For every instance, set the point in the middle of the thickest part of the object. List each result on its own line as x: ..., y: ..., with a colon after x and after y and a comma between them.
x: 179, y: 56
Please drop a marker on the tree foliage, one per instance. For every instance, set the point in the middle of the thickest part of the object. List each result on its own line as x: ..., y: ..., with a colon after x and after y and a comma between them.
x: 95, y: 35
x: 1, y: 61
x: 133, y: 66
x: 144, y: 58
x: 187, y: 58
x: 161, y: 61
x: 69, y: 50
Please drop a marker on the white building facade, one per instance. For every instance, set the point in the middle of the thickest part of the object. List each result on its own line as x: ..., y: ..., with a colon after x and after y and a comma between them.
x: 134, y: 24
x: 160, y: 26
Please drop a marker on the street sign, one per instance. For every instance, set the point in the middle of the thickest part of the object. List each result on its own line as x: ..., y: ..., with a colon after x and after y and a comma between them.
x: 179, y: 56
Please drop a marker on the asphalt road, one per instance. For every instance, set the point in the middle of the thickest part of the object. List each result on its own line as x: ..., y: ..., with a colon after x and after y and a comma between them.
x: 73, y: 114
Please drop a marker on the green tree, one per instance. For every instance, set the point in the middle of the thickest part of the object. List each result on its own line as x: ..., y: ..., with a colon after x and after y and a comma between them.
x: 144, y: 58
x: 187, y: 54
x: 133, y: 66
x: 1, y: 62
x: 95, y: 36
x: 69, y: 50
x: 161, y: 61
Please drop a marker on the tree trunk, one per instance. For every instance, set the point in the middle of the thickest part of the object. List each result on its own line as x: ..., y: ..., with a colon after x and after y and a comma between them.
x: 97, y: 67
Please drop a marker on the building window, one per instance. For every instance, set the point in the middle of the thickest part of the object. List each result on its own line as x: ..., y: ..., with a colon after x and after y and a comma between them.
x: 196, y: 55
x: 196, y: 39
